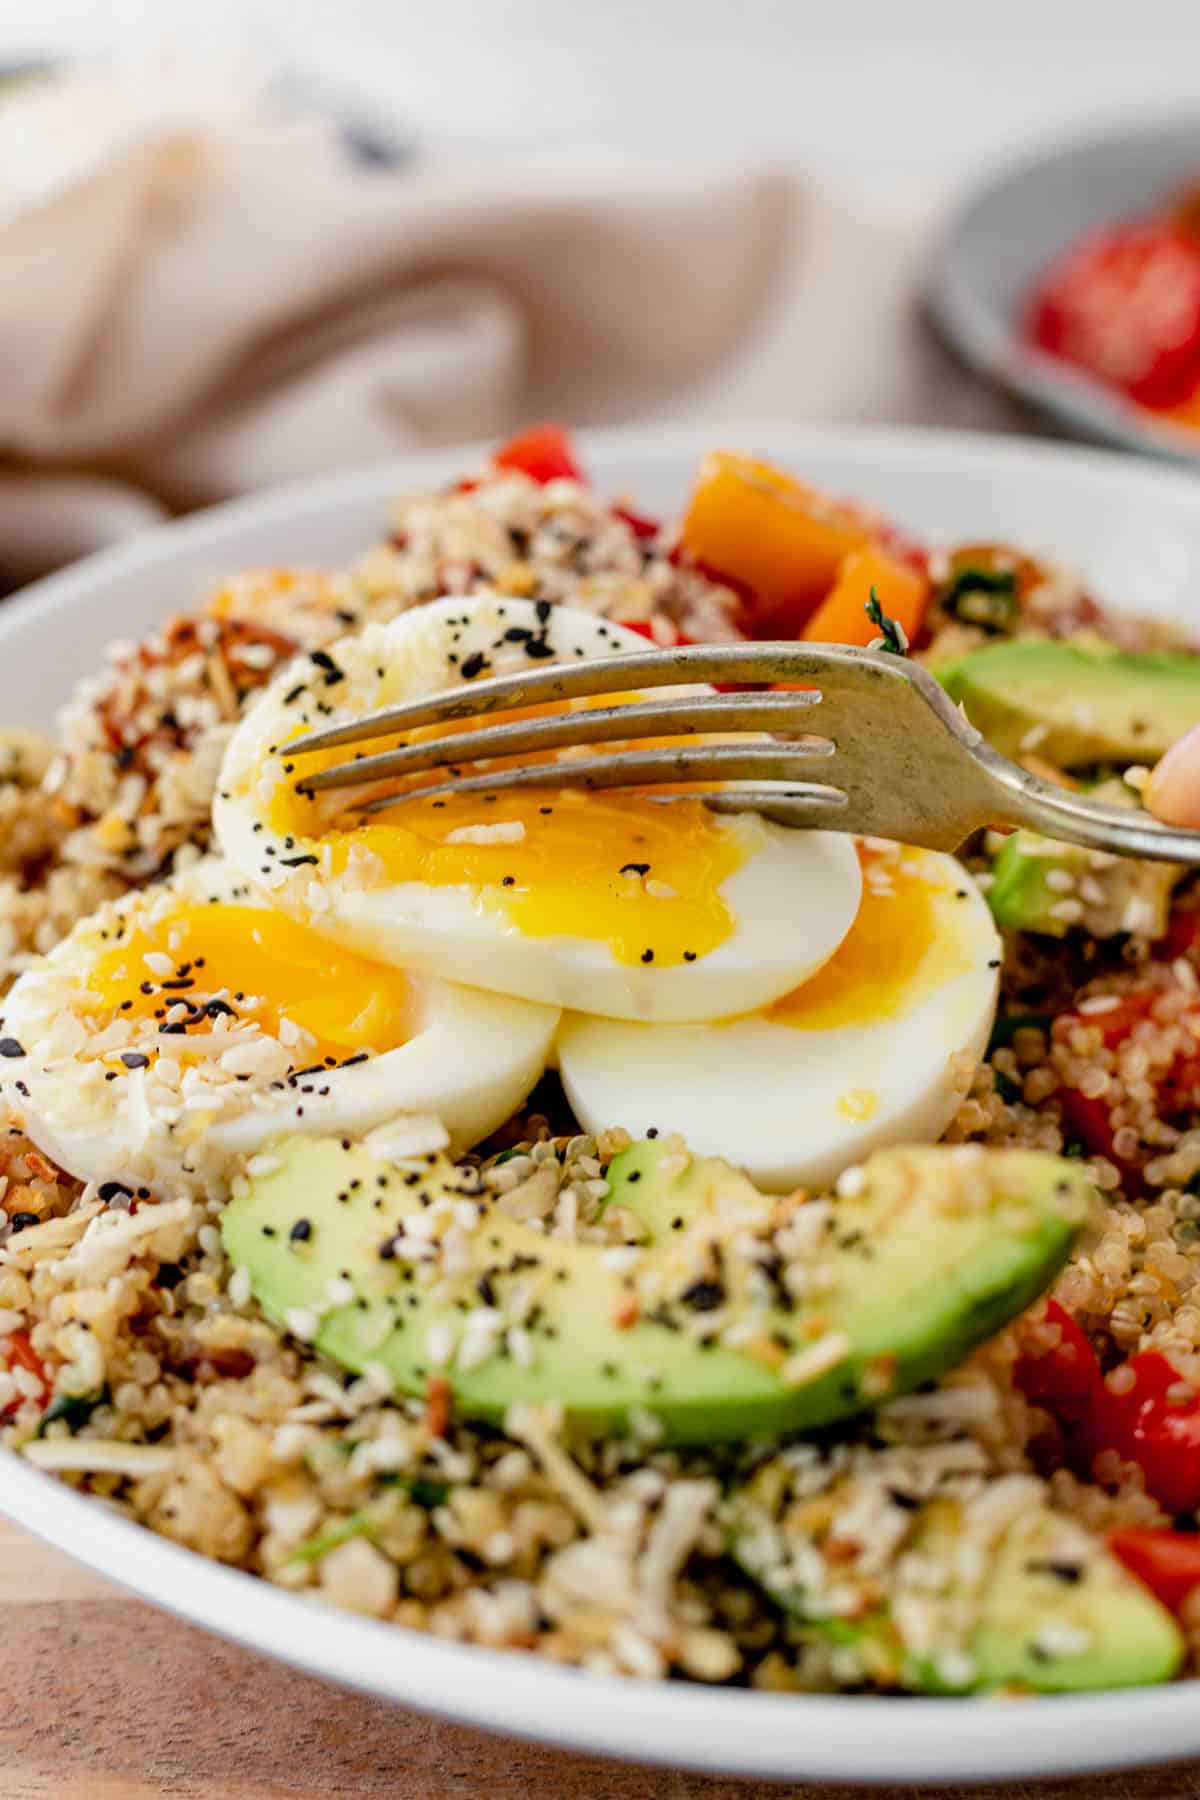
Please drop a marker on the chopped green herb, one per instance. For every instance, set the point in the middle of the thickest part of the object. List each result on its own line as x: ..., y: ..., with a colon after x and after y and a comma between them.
x: 421, y: 1490
x: 984, y: 597
x: 76, y: 1409
x: 892, y: 636
x: 359, y: 1524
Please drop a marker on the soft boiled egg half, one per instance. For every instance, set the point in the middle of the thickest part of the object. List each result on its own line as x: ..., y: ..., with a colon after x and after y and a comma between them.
x: 616, y: 905
x: 878, y: 1047
x: 191, y: 1022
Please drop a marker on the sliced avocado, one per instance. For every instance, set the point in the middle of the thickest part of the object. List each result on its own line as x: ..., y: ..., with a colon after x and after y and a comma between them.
x: 1033, y: 875
x: 660, y: 1186
x: 757, y: 1316
x: 1060, y: 1614
x: 1055, y: 1612
x: 1076, y: 704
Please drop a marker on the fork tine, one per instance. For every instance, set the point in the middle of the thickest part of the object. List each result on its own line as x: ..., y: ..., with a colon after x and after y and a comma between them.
x: 707, y: 713
x: 532, y: 687
x: 628, y: 769
x: 749, y: 663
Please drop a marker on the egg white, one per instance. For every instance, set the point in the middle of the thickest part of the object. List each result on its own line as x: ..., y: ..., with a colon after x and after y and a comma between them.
x: 469, y: 1061
x: 786, y: 1103
x: 792, y: 899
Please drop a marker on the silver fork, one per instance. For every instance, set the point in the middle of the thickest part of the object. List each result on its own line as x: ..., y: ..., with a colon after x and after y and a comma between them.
x: 882, y: 750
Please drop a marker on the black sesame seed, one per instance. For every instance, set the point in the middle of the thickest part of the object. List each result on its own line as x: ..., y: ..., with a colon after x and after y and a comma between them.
x: 704, y: 1296
x: 133, y: 1059
x: 301, y: 1231
x: 9, y: 1046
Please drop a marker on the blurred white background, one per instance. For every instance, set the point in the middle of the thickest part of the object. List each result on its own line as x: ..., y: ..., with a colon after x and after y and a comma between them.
x: 897, y: 101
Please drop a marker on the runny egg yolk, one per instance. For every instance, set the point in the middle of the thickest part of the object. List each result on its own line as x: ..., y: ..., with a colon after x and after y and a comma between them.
x: 261, y: 966
x: 631, y: 872
x: 892, y: 953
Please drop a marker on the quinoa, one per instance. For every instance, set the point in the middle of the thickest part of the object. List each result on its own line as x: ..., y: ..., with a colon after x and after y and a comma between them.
x: 139, y: 1368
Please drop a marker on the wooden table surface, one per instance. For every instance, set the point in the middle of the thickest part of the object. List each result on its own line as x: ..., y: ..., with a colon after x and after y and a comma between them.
x: 106, y: 1698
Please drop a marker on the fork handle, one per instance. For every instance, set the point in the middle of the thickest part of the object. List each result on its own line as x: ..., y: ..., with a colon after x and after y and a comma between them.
x: 1062, y: 813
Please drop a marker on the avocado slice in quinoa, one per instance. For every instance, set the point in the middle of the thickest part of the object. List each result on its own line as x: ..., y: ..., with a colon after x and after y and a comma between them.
x: 1076, y: 703
x: 745, y: 1315
x: 1052, y: 1612
x: 1033, y: 876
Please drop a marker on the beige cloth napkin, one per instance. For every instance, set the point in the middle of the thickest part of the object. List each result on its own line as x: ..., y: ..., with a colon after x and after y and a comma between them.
x: 212, y: 310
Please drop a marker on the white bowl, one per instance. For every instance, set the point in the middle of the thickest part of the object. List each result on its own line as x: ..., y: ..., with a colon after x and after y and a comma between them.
x: 1134, y: 530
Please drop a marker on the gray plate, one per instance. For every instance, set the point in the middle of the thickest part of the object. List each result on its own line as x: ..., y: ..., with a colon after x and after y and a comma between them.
x: 1006, y: 233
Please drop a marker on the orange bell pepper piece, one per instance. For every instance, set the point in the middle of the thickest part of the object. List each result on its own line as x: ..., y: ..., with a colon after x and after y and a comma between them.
x: 841, y: 618
x: 776, y: 540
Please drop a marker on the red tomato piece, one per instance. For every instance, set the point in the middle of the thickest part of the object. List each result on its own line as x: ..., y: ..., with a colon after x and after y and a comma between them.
x: 1129, y: 1412
x: 1087, y: 1120
x: 1116, y: 1024
x: 1167, y: 1561
x: 544, y: 453
x: 640, y: 526
x: 19, y: 1350
x: 1160, y: 1435
x: 1063, y: 1377
x: 1125, y: 306
x: 1180, y: 935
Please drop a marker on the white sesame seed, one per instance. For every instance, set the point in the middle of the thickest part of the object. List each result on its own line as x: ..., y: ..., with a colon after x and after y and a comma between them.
x: 620, y: 1257
x: 506, y: 831
x: 816, y: 1360
x: 1060, y: 1639
x: 439, y: 1344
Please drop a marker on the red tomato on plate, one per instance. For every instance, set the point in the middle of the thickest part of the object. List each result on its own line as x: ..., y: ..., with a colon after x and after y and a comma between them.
x: 1125, y: 306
